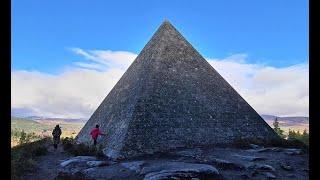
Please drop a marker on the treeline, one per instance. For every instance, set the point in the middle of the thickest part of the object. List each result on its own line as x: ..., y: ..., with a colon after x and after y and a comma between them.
x: 22, y: 137
x: 292, y: 134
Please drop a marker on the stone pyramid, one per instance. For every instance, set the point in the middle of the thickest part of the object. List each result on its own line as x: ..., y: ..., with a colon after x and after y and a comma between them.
x: 171, y: 97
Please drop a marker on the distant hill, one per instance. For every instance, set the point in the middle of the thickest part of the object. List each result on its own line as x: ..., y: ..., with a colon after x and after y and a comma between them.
x: 44, y: 126
x: 268, y: 117
x: 287, y: 120
x: 65, y: 120
x: 38, y: 124
x: 28, y: 125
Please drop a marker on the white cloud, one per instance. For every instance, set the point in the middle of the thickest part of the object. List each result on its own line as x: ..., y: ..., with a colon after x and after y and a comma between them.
x: 73, y: 94
x: 269, y: 90
x: 103, y: 59
x: 79, y: 90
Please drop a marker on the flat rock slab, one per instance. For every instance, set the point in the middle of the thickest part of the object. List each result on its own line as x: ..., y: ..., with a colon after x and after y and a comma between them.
x: 77, y: 159
x: 254, y: 146
x: 110, y: 172
x: 97, y: 163
x: 189, y: 152
x: 289, y: 151
x: 249, y: 158
x: 70, y: 176
x: 225, y: 164
x: 261, y: 167
x: 217, y: 163
x: 89, y: 168
x: 134, y: 166
x: 286, y: 167
x: 293, y: 151
x: 96, y: 170
x: 75, y: 165
x: 268, y: 149
x: 171, y: 174
x: 270, y: 175
x: 271, y: 149
x: 167, y: 170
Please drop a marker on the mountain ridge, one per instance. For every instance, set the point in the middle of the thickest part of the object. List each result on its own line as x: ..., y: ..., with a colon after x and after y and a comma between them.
x: 266, y: 117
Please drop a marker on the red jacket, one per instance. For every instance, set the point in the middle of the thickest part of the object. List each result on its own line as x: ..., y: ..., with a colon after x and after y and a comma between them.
x: 95, y: 132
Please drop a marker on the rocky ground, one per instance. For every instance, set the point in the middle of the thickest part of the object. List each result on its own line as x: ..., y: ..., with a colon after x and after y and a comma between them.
x: 217, y: 163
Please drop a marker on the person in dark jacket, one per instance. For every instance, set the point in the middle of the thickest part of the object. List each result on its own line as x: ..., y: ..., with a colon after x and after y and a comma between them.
x: 56, y: 133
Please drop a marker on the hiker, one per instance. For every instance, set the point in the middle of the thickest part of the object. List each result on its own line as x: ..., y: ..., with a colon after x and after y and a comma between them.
x: 95, y: 132
x: 56, y: 136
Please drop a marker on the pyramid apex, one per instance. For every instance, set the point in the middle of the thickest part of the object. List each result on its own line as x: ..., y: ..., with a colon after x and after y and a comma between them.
x: 166, y: 23
x: 167, y: 31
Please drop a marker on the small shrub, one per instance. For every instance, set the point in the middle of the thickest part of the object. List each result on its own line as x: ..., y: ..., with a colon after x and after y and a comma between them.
x: 70, y: 146
x: 66, y: 176
x: 20, y: 166
x: 67, y: 144
x: 85, y: 150
x: 244, y: 143
x: 23, y: 157
x: 39, y: 151
x: 241, y: 143
x: 296, y: 135
x: 294, y: 143
x: 23, y: 137
x: 275, y: 143
x: 290, y: 143
x: 99, y: 152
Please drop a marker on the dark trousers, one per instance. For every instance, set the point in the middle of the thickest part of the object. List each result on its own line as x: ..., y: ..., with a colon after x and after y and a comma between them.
x: 56, y: 141
x: 95, y: 141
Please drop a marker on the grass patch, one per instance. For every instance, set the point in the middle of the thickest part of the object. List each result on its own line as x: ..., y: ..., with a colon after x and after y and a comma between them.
x: 23, y: 157
x: 71, y: 147
x: 290, y: 143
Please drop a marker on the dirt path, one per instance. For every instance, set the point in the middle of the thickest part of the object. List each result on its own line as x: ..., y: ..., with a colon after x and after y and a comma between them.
x: 47, y: 165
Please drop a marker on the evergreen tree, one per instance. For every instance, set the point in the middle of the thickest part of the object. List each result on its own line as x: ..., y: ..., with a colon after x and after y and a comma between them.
x: 292, y: 134
x: 23, y: 137
x: 303, y: 137
x: 277, y: 128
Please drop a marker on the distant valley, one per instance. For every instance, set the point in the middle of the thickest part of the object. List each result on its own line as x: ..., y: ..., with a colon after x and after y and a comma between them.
x: 294, y: 123
x: 73, y: 126
x: 44, y: 126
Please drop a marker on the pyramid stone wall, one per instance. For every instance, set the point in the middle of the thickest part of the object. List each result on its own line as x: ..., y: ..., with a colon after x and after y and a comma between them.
x: 172, y: 97
x: 115, y: 112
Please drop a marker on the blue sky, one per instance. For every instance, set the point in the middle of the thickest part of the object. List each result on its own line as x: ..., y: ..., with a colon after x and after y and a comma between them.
x: 68, y: 54
x: 273, y: 32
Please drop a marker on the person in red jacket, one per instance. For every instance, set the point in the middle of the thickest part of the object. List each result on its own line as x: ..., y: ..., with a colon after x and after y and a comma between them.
x: 95, y: 132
